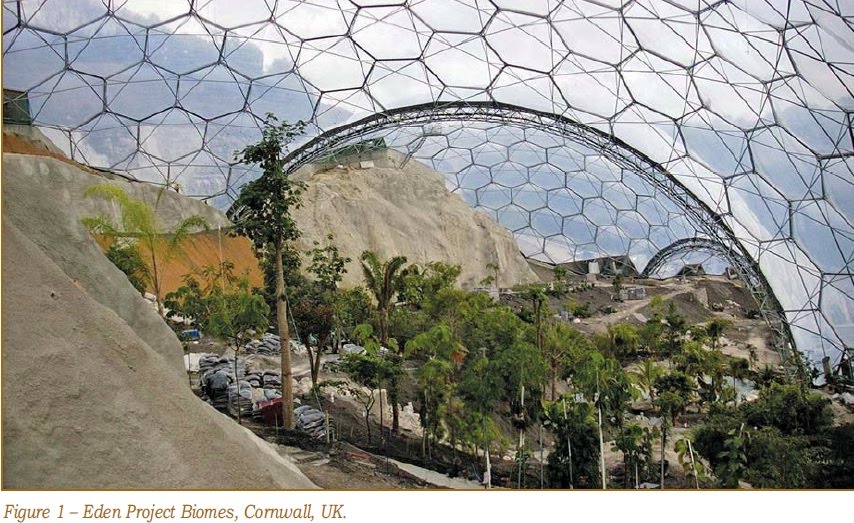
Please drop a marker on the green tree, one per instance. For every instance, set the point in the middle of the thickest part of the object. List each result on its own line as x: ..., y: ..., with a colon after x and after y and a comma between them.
x: 789, y: 409
x: 262, y: 212
x: 631, y: 442
x: 618, y: 286
x: 435, y: 376
x: 327, y: 265
x: 575, y: 458
x: 313, y: 314
x: 675, y: 326
x: 715, y: 329
x: 646, y: 376
x: 560, y: 273
x: 480, y: 388
x: 674, y: 393
x: 233, y: 314
x: 129, y: 261
x: 563, y: 346
x: 536, y: 294
x: 316, y: 303
x: 366, y: 370
x: 732, y: 460
x: 624, y: 339
x: 435, y: 381
x: 603, y: 382
x: 139, y: 227
x: 420, y: 286
x: 690, y: 462
x: 384, y: 280
x: 354, y: 308
x: 188, y: 301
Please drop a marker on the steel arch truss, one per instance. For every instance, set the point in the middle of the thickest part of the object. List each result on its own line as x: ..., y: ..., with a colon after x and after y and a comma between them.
x: 363, y: 136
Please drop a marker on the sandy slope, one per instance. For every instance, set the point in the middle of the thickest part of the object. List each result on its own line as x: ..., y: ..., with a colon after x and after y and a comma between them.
x: 93, y: 390
x: 405, y: 211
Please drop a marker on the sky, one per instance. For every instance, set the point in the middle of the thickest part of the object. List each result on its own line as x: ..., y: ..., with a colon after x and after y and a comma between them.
x: 749, y: 110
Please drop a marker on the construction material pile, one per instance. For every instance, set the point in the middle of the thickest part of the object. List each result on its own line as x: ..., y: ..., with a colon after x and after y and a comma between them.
x: 311, y: 421
x: 270, y: 345
x: 257, y: 390
x: 267, y: 345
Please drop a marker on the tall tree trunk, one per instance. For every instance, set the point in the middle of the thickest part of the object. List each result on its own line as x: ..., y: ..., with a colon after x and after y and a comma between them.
x: 384, y: 327
x: 285, y: 342
x: 602, y: 451
x: 311, y: 358
x: 395, y: 411
x: 237, y: 384
x: 155, y: 284
x: 663, y: 444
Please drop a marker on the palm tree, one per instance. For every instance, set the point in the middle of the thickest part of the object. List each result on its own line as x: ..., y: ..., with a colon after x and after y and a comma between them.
x: 715, y: 329
x: 383, y: 279
x: 645, y: 378
x: 138, y: 224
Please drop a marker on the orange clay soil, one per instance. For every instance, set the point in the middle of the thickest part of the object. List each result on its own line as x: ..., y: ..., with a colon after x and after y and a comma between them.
x: 199, y: 250
x: 13, y: 143
x: 202, y: 249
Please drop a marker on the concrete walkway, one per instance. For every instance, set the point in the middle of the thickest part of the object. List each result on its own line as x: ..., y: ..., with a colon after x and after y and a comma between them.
x: 436, y: 478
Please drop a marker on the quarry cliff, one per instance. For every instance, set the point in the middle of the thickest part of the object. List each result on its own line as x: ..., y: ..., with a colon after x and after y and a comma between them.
x: 404, y: 210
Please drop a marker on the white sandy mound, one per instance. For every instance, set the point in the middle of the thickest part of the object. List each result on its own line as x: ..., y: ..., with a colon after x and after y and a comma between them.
x: 93, y: 391
x: 405, y: 211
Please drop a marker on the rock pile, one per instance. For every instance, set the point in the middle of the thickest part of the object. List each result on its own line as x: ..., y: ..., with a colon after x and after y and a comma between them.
x: 311, y: 421
x: 270, y: 345
x: 256, y: 389
x: 267, y: 345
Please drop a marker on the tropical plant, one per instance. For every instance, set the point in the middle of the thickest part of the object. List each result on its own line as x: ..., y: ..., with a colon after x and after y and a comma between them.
x: 536, y: 294
x: 262, y: 212
x: 233, y: 314
x: 624, y: 339
x: 435, y: 376
x: 313, y: 314
x: 691, y: 464
x: 384, y: 280
x: 563, y: 346
x: 420, y: 285
x: 715, y: 329
x: 732, y: 461
x: 674, y: 392
x: 139, y: 227
x: 316, y: 303
x: 674, y: 327
x: 129, y: 261
x: 646, y: 376
x: 574, y: 462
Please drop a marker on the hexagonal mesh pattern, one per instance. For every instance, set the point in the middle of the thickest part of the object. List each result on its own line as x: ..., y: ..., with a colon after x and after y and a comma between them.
x: 728, y: 121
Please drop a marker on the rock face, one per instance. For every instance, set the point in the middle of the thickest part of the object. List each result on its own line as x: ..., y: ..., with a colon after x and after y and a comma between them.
x: 404, y: 211
x: 93, y: 390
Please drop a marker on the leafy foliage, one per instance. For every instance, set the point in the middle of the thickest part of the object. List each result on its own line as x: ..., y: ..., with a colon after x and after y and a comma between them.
x: 139, y: 227
x: 129, y: 261
x: 574, y: 428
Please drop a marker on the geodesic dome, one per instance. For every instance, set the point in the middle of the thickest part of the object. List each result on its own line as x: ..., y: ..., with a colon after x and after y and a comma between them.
x: 588, y: 128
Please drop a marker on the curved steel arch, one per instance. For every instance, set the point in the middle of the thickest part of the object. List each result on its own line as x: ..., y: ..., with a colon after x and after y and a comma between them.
x: 616, y: 150
x: 662, y: 257
x: 746, y: 269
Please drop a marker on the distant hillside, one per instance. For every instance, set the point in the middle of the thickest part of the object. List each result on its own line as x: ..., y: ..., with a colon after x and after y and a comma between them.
x: 404, y: 211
